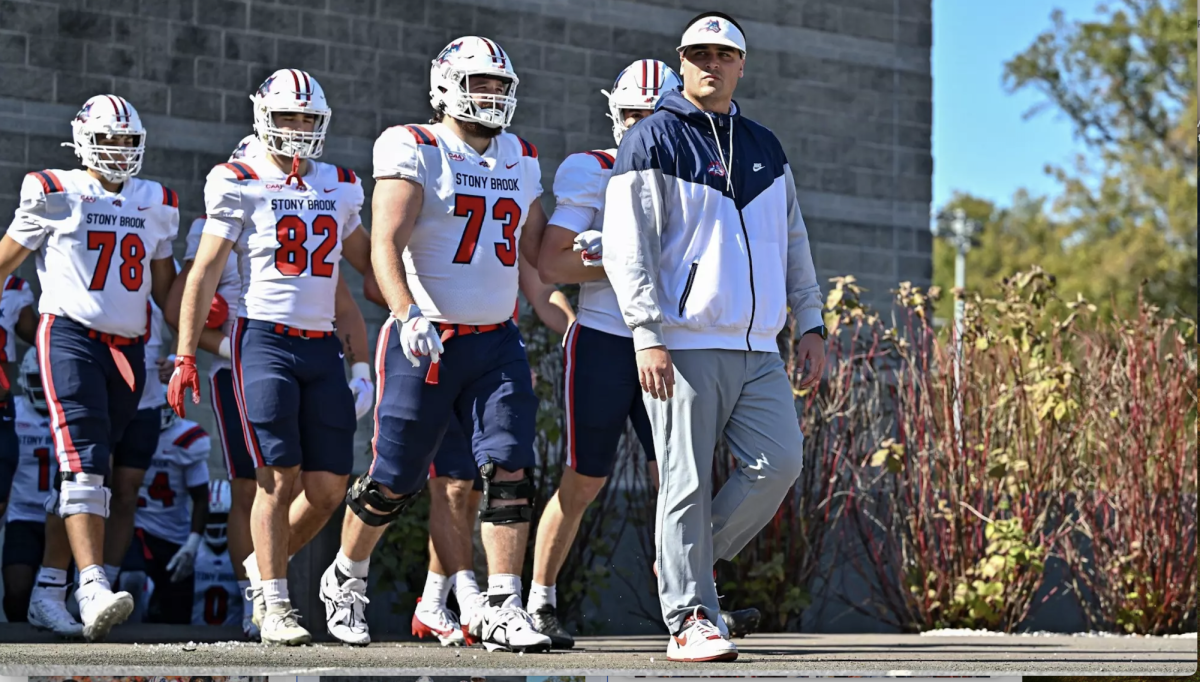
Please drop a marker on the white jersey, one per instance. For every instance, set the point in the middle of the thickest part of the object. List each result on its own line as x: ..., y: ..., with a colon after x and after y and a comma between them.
x: 153, y: 394
x: 94, y: 247
x: 229, y: 287
x: 218, y: 601
x: 163, y: 508
x: 17, y: 295
x: 36, y: 467
x: 579, y: 187
x: 462, y: 257
x: 288, y: 240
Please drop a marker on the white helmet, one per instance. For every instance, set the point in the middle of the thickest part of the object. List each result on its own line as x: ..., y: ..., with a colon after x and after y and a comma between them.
x: 219, y: 501
x: 449, y: 88
x: 293, y: 91
x: 249, y: 148
x: 108, y: 115
x: 167, y: 416
x: 30, y: 380
x: 638, y: 87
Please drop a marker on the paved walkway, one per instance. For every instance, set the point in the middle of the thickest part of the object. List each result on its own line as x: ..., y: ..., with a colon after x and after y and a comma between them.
x: 147, y: 650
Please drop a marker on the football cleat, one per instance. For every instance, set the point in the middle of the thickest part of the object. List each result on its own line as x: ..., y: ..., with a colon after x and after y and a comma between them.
x: 101, y: 610
x: 545, y: 620
x: 741, y: 622
x: 509, y: 628
x: 345, y: 601
x: 280, y: 626
x: 48, y: 611
x: 438, y: 621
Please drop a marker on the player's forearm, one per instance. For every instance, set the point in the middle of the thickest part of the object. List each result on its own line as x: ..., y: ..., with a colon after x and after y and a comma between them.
x: 175, y: 296
x: 556, y: 312
x: 389, y: 273
x: 27, y: 322
x: 351, y: 327
x: 162, y: 278
x: 12, y: 255
x: 201, y: 285
x: 564, y: 266
x: 210, y: 340
x: 199, y: 509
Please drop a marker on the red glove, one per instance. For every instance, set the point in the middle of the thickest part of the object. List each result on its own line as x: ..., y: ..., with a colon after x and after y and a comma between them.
x: 4, y: 385
x: 185, y: 377
x: 218, y: 312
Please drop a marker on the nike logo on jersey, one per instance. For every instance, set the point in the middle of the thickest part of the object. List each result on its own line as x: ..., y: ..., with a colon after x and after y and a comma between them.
x: 341, y: 355
x: 511, y: 165
x: 522, y: 342
x: 143, y: 208
x: 331, y: 190
x: 758, y: 167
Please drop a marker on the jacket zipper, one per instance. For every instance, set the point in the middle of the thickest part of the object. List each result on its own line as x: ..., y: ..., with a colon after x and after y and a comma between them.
x: 687, y: 288
x: 750, y: 258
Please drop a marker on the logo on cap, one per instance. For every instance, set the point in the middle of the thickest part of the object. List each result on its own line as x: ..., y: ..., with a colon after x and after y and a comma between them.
x: 713, y: 26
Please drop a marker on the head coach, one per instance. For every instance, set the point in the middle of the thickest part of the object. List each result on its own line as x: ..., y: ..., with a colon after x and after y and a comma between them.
x: 706, y: 250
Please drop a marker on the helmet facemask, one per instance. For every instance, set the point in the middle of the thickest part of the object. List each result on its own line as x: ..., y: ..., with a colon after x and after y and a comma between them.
x: 30, y: 379
x: 488, y: 110
x: 290, y: 143
x: 215, y: 532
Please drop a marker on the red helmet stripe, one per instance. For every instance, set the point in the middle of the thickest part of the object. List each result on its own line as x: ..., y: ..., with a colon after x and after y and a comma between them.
x: 296, y: 80
x: 307, y: 85
x: 657, y: 78
x: 115, y: 106
x: 645, y: 78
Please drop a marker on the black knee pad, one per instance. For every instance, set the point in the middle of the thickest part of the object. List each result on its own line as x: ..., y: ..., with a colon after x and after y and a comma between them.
x: 505, y: 490
x: 366, y: 491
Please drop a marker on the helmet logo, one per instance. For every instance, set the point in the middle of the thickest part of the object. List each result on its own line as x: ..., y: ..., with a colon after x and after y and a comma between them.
x: 85, y: 113
x: 713, y: 26
x: 453, y: 47
x: 266, y: 86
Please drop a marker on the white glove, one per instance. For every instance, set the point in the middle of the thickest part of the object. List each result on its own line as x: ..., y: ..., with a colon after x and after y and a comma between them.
x: 184, y: 561
x: 418, y: 337
x: 587, y: 244
x: 362, y: 389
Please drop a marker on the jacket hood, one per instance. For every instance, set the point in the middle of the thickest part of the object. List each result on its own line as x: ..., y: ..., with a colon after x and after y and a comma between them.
x: 674, y: 102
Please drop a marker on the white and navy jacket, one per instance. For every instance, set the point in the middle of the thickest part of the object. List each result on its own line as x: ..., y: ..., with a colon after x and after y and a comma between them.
x: 703, y: 239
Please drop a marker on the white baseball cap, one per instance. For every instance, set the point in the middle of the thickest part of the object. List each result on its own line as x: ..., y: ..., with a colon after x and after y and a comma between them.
x: 712, y: 29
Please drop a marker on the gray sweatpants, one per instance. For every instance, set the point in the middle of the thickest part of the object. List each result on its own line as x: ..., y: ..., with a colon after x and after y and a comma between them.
x: 747, y: 396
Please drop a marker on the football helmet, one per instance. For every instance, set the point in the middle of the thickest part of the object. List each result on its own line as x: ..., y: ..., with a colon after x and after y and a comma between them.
x: 30, y: 380
x: 291, y: 91
x: 638, y: 87
x: 219, y: 500
x: 450, y: 89
x: 167, y: 416
x: 249, y: 148
x: 108, y: 115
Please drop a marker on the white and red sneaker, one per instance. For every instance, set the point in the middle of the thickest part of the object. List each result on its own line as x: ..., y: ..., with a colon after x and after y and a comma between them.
x: 437, y: 621
x: 700, y: 641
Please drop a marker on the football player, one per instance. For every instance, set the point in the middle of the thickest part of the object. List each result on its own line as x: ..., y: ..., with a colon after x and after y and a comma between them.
x: 286, y: 216
x: 16, y: 319
x: 449, y: 206
x: 217, y: 598
x: 103, y: 242
x: 135, y: 450
x: 167, y: 534
x: 239, y: 465
x: 25, y: 521
x: 455, y: 491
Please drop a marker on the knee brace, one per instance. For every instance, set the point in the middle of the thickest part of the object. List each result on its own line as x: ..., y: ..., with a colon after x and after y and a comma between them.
x: 366, y: 491
x: 505, y: 490
x: 82, y: 494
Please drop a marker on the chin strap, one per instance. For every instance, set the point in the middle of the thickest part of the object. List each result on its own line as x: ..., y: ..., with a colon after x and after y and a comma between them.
x: 295, y: 174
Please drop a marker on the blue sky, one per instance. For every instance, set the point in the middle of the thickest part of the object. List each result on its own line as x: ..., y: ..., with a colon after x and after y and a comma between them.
x: 981, y: 144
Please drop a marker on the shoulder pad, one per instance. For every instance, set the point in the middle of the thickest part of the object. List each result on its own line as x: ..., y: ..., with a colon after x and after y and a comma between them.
x: 605, y: 159
x: 187, y: 438
x: 345, y: 175
x: 170, y: 197
x: 50, y: 182
x: 14, y: 283
x: 421, y: 135
x: 527, y: 148
x: 239, y: 170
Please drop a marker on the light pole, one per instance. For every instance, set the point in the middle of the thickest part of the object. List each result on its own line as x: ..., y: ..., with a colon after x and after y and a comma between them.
x: 960, y: 232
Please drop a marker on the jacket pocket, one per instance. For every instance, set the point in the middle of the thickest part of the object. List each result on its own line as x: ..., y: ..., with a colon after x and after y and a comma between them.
x: 687, y: 288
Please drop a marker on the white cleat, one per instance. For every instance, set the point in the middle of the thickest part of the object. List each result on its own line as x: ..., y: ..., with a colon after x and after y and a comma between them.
x: 102, y: 610
x: 439, y: 622
x: 48, y: 611
x: 509, y: 627
x: 345, y: 601
x: 700, y: 641
x: 279, y: 626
